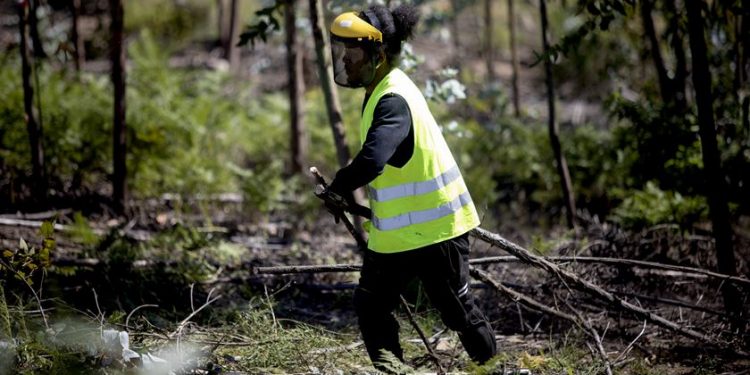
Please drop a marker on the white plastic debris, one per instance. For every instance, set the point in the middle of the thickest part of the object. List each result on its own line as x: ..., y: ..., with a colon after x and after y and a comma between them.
x: 117, y: 343
x: 150, y: 361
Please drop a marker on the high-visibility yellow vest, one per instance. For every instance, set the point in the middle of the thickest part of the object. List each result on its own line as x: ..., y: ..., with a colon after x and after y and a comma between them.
x: 425, y: 201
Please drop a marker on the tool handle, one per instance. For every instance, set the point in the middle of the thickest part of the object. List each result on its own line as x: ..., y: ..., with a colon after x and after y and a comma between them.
x: 348, y: 224
x: 318, y: 177
x: 352, y: 208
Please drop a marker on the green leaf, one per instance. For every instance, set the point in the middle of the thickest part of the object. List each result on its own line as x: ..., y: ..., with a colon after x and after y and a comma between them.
x: 47, y: 229
x: 44, y: 258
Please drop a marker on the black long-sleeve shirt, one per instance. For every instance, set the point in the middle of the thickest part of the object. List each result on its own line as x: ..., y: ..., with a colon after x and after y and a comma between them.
x: 390, y: 140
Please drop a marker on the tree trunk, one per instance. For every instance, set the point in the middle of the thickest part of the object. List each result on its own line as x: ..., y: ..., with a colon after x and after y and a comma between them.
x: 34, y: 30
x: 298, y: 145
x: 514, y: 59
x: 119, y: 130
x: 231, y: 53
x: 489, y: 53
x: 744, y: 65
x: 454, y: 33
x: 716, y: 191
x: 322, y: 49
x: 661, y: 70
x: 221, y: 27
x: 32, y: 126
x: 680, y: 70
x: 80, y: 53
x: 562, y: 165
x: 745, y: 42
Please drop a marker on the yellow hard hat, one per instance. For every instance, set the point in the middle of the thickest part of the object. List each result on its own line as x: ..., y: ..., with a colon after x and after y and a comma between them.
x: 349, y: 25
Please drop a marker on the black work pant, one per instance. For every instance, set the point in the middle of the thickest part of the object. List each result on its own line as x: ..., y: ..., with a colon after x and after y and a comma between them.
x: 444, y: 271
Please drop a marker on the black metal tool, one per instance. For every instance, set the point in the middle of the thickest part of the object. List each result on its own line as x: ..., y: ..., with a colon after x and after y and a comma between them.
x: 338, y: 202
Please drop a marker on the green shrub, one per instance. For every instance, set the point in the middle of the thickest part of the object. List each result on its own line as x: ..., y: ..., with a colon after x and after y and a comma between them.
x: 651, y: 206
x: 175, y: 21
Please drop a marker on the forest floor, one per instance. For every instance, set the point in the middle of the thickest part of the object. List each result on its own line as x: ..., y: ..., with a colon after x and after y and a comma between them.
x: 173, y: 260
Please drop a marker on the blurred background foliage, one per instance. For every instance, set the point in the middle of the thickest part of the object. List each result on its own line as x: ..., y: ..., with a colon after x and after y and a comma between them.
x: 202, y: 131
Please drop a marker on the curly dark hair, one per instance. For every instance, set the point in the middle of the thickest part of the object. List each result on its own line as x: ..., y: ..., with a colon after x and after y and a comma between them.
x: 397, y: 26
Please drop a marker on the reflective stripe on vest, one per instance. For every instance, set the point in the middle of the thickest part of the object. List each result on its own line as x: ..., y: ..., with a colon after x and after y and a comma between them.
x: 415, y: 188
x: 416, y: 217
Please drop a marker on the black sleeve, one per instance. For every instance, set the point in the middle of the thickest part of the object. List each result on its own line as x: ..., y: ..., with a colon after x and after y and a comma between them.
x: 391, y: 126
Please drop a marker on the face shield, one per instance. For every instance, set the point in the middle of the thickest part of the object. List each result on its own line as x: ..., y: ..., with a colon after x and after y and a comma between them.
x: 354, y: 63
x: 355, y: 49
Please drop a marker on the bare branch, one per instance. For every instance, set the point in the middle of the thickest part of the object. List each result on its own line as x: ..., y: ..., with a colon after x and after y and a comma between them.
x: 127, y: 320
x: 426, y: 343
x: 513, y: 259
x: 184, y: 322
x: 624, y: 353
x: 595, y: 335
x: 595, y: 290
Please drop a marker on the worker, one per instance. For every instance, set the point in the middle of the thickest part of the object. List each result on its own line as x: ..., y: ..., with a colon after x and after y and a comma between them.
x: 421, y: 208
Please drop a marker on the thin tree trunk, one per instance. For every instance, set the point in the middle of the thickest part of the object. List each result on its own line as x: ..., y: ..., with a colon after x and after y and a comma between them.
x: 562, y: 165
x: 680, y: 70
x: 489, y: 57
x: 661, y: 70
x: 32, y: 126
x: 221, y: 28
x: 715, y: 180
x: 744, y: 65
x: 298, y: 144
x: 80, y: 53
x: 454, y: 33
x: 514, y: 59
x: 322, y: 49
x: 34, y: 30
x: 231, y: 53
x: 119, y: 187
x: 745, y: 42
x: 736, y: 26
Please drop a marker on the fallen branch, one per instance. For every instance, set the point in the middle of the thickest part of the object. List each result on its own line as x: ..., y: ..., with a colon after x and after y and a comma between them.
x: 38, y: 215
x: 280, y: 270
x: 616, y: 261
x: 178, y: 332
x: 518, y: 297
x: 595, y: 335
x: 621, y: 358
x: 426, y: 342
x: 592, y: 289
x: 137, y: 235
x: 536, y: 305
x: 513, y: 259
x: 672, y: 302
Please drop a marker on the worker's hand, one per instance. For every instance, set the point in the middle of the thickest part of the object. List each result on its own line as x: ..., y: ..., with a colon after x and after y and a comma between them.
x: 334, y: 203
x: 334, y: 210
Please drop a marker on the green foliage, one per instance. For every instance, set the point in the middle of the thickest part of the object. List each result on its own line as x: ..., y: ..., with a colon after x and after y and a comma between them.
x: 267, y: 23
x: 511, y: 162
x: 26, y: 261
x: 5, y: 332
x: 594, y: 15
x: 75, y: 116
x: 167, y: 19
x: 650, y: 206
x: 81, y: 231
x: 185, y: 128
x: 283, y: 346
